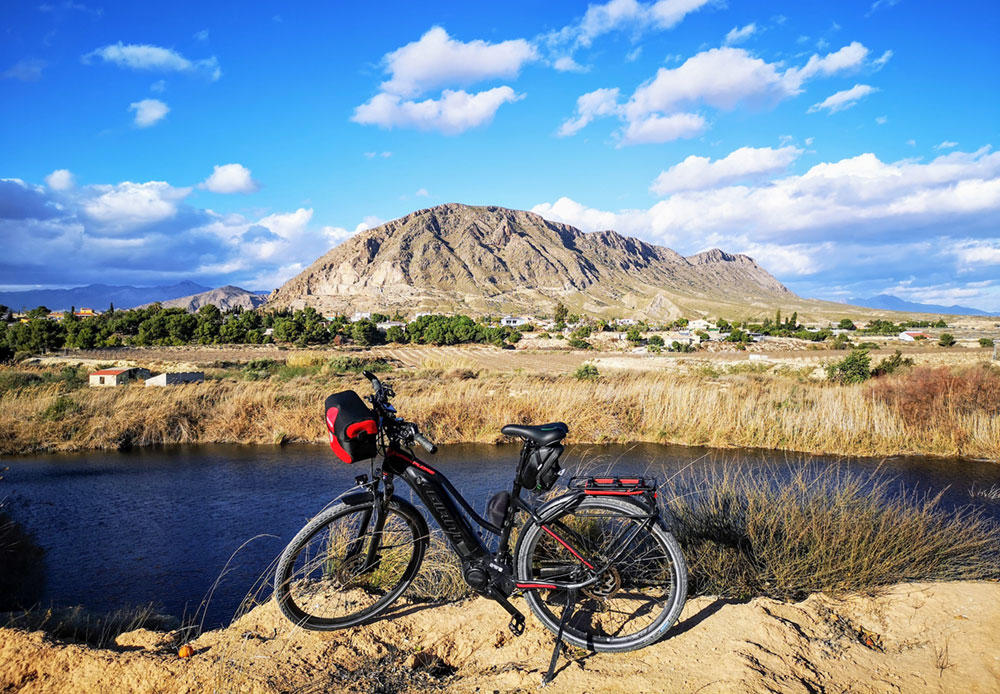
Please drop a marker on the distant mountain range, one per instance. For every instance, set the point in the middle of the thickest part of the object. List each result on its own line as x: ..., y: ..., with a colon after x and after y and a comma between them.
x: 224, y: 298
x: 98, y: 296
x: 488, y: 259
x: 889, y: 302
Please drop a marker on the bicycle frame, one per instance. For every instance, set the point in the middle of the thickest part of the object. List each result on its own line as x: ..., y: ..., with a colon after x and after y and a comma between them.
x: 490, y: 572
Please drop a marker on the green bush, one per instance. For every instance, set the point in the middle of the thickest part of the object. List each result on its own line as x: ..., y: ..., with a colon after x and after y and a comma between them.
x: 358, y: 364
x: 891, y: 364
x: 985, y: 342
x: 60, y: 409
x: 586, y: 372
x: 946, y: 340
x: 854, y: 368
x: 577, y: 343
x: 259, y: 369
x: 655, y: 341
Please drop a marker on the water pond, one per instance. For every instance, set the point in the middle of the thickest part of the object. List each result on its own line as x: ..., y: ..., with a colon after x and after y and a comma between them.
x: 162, y: 525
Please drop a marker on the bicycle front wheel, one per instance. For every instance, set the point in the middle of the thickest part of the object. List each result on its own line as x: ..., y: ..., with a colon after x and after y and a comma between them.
x: 338, y: 571
x: 637, y: 598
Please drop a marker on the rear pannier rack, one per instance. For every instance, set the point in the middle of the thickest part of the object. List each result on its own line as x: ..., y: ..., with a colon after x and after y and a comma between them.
x: 614, y: 486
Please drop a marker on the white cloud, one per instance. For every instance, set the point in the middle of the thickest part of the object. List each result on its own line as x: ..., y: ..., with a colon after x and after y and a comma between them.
x: 849, y: 57
x: 60, y: 179
x: 567, y: 64
x: 633, y: 55
x: 422, y: 193
x: 230, y: 178
x: 740, y: 34
x: 843, y: 100
x: 600, y: 102
x: 623, y: 15
x: 201, y: 35
x: 159, y: 86
x: 856, y: 198
x: 148, y: 112
x: 947, y: 144
x: 881, y: 120
x: 655, y: 129
x: 880, y: 62
x: 128, y: 205
x: 698, y: 173
x: 25, y: 70
x: 973, y: 254
x: 147, y: 57
x: 437, y: 60
x: 454, y: 113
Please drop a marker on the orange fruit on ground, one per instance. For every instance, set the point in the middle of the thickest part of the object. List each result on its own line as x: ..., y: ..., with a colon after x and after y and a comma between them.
x: 185, y: 651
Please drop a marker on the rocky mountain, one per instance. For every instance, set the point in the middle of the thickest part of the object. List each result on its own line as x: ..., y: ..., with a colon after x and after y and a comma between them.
x: 491, y: 259
x: 97, y: 296
x: 224, y: 298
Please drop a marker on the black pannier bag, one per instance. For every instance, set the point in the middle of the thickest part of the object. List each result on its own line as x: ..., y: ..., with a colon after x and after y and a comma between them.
x: 352, y: 427
x: 542, y: 469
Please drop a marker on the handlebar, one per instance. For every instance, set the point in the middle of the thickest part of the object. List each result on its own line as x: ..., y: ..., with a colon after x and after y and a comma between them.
x: 427, y: 444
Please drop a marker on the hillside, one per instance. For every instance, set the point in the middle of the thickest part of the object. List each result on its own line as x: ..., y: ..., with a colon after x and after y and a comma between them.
x: 491, y: 259
x: 224, y: 298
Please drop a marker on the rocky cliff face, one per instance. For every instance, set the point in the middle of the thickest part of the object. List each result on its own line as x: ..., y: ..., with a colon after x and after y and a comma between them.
x: 224, y: 298
x: 489, y: 259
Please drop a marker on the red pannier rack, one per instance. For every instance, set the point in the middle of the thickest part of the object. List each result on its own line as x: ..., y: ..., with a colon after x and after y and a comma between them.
x: 614, y: 486
x: 352, y: 427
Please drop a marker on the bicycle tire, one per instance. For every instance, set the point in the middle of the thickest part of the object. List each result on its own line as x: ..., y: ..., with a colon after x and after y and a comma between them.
x: 314, y: 585
x: 653, y: 556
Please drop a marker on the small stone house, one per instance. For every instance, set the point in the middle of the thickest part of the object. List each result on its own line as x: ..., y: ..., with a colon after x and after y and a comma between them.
x: 117, y: 377
x: 176, y: 378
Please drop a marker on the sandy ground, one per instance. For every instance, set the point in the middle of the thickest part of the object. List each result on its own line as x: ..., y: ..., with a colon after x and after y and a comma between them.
x: 937, y: 637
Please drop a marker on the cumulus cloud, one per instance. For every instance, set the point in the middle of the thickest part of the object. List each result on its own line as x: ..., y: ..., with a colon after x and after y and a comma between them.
x: 721, y: 78
x: 567, y: 64
x: 947, y: 144
x: 740, y: 34
x: 454, y: 113
x: 843, y: 100
x: 142, y: 232
x: 147, y: 57
x: 60, y: 179
x: 230, y: 178
x: 436, y: 60
x: 698, y: 173
x: 422, y: 193
x: 882, y: 219
x: 25, y: 70
x: 148, y: 112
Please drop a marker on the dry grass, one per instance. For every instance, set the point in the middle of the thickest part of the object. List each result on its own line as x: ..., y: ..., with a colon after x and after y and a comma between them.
x: 821, y: 529
x: 762, y: 410
x: 80, y: 625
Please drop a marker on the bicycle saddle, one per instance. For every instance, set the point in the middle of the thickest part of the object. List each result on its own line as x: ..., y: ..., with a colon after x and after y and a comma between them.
x: 541, y: 435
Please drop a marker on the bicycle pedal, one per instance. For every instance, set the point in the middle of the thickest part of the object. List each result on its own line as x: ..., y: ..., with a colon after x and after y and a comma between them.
x: 516, y: 625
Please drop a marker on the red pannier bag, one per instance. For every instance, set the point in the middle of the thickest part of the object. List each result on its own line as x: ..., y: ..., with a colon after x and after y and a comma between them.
x: 352, y: 427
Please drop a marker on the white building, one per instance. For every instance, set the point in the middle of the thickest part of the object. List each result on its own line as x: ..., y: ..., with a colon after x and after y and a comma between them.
x: 361, y: 315
x: 699, y: 324
x: 627, y: 321
x: 117, y: 377
x: 383, y: 327
x: 913, y: 336
x: 176, y: 379
x: 513, y: 321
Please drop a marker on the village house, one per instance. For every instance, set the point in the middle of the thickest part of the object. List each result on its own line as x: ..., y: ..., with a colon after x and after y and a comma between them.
x: 361, y: 315
x: 176, y: 378
x: 699, y: 324
x: 913, y: 336
x: 118, y: 376
x: 513, y: 321
x: 86, y: 313
x: 384, y: 326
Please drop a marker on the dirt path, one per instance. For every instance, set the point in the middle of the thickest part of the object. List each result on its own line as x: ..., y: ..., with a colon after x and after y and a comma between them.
x: 938, y: 637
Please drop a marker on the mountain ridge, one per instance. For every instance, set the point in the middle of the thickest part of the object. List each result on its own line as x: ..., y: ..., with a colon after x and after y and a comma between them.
x: 488, y: 258
x: 98, y: 296
x: 890, y: 302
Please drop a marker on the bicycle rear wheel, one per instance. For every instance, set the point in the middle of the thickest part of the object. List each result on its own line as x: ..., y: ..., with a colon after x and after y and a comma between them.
x: 338, y: 572
x: 637, y: 598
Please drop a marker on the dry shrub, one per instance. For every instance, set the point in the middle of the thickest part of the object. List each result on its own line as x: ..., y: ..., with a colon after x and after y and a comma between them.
x: 81, y: 625
x: 811, y: 529
x: 924, y: 393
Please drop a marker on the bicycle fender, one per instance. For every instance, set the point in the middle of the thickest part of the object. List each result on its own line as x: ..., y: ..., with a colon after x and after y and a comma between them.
x: 561, y: 504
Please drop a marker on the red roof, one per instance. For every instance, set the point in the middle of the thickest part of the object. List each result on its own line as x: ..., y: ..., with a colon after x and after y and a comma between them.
x: 109, y: 372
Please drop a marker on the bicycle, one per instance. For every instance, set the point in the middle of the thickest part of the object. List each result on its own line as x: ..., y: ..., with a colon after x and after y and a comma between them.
x: 597, y: 565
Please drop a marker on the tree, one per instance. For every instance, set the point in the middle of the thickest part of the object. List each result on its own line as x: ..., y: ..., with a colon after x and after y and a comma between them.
x: 633, y: 335
x: 209, y: 324
x: 395, y: 334
x: 560, y: 313
x: 846, y: 324
x: 722, y: 324
x: 985, y: 342
x: 940, y: 323
x: 286, y: 330
x: 854, y: 368
x: 365, y: 333
x: 946, y: 340
x: 655, y: 341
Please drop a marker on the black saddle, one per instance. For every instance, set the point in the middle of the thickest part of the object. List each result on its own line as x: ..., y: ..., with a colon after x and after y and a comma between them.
x: 541, y: 435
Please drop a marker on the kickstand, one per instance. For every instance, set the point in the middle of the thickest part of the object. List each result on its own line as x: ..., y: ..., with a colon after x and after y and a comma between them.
x: 567, y: 611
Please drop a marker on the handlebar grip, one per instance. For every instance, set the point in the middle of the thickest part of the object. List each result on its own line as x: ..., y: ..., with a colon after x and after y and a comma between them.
x: 369, y: 375
x: 423, y: 441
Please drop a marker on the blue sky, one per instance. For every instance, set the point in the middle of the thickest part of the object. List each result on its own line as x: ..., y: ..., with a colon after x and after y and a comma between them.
x: 848, y: 147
